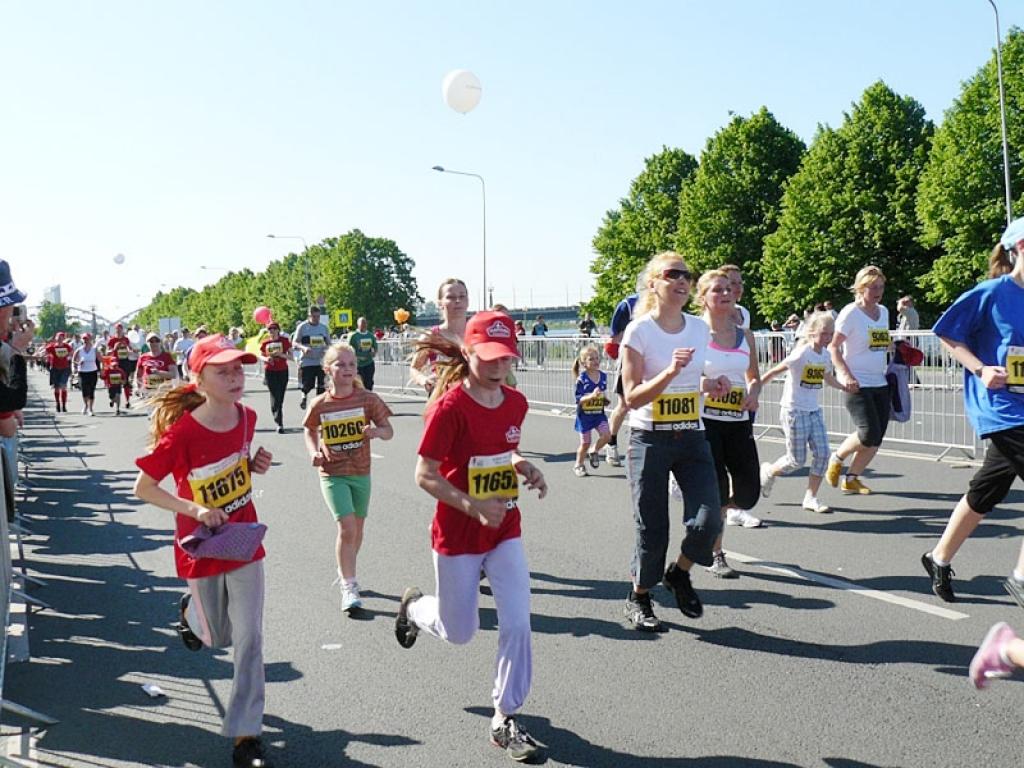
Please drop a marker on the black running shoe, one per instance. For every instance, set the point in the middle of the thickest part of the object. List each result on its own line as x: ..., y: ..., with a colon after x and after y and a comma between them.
x: 302, y: 403
x: 248, y: 753
x: 188, y: 637
x: 595, y: 459
x: 640, y: 614
x: 677, y: 581
x: 405, y: 630
x: 513, y: 738
x: 1015, y: 589
x: 941, y: 576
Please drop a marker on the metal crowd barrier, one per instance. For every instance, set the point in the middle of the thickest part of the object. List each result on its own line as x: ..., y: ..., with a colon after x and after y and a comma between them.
x: 938, y: 423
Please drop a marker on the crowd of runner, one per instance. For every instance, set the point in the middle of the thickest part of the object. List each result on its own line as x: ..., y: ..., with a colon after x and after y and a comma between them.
x: 688, y: 383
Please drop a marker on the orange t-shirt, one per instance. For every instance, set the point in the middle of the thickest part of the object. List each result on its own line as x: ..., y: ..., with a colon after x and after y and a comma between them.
x: 340, y: 422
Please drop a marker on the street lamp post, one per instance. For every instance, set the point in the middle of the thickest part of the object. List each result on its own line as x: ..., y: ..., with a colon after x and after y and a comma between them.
x: 1002, y: 117
x: 305, y: 261
x: 483, y: 193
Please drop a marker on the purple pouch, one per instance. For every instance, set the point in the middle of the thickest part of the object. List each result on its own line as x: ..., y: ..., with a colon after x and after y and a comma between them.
x: 231, y: 541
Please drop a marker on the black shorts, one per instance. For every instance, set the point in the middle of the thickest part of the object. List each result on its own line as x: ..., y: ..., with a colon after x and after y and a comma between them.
x: 1004, y: 461
x: 869, y: 408
x: 737, y: 466
x: 59, y: 377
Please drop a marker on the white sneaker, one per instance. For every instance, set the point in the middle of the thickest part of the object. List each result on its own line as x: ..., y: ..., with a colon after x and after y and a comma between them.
x: 767, y: 479
x: 350, y: 597
x: 611, y: 455
x: 579, y: 470
x: 811, y: 504
x: 742, y: 517
x: 85, y: 411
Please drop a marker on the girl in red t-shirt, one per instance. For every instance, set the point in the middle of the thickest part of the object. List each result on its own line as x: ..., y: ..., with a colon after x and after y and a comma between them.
x: 113, y: 378
x: 468, y: 461
x: 201, y: 436
x: 274, y: 352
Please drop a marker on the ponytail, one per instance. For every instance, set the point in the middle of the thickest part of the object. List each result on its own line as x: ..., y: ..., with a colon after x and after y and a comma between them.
x: 1000, y: 262
x: 452, y: 367
x: 169, y: 404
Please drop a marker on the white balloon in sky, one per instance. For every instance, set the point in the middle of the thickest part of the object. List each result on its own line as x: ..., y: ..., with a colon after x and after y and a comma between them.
x: 119, y: 259
x: 461, y: 90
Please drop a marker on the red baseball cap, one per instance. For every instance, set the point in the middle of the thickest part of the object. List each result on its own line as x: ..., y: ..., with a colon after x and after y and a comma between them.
x: 492, y: 335
x: 216, y: 350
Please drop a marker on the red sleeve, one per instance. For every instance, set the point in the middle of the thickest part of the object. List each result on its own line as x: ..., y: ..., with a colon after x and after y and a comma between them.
x: 159, y: 462
x: 442, y: 429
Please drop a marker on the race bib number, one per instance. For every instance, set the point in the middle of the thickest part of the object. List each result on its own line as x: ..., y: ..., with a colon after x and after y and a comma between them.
x: 225, y: 484
x: 122, y: 353
x: 114, y: 378
x: 878, y: 339
x: 593, y: 406
x: 158, y: 376
x: 274, y: 348
x: 1015, y: 369
x: 342, y: 430
x: 676, y: 411
x: 366, y: 345
x: 813, y: 377
x: 60, y: 351
x: 494, y: 477
x: 730, y: 406
x: 316, y: 341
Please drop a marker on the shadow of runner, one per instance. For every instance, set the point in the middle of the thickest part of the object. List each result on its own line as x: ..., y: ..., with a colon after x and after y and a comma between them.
x: 293, y: 744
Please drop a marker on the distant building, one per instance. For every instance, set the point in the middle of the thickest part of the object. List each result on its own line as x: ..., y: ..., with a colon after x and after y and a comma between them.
x: 52, y: 294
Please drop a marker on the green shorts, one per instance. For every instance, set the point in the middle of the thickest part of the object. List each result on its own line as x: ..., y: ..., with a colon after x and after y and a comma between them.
x: 346, y: 495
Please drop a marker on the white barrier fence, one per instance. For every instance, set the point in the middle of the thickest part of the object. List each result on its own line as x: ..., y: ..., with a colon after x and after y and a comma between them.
x: 938, y: 424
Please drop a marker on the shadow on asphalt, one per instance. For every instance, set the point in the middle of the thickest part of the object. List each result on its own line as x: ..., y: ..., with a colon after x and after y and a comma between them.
x: 294, y: 744
x: 569, y: 748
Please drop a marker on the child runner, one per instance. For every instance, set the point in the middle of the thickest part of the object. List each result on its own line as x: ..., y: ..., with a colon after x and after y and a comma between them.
x: 984, y: 331
x: 274, y: 352
x: 1000, y: 653
x: 808, y: 367
x: 338, y: 434
x: 120, y: 346
x: 58, y: 355
x: 201, y: 436
x: 591, y: 386
x: 468, y: 460
x: 113, y: 378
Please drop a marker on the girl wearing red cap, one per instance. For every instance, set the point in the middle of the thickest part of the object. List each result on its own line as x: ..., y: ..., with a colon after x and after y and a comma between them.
x: 469, y: 460
x: 201, y: 435
x: 274, y: 352
x: 58, y: 355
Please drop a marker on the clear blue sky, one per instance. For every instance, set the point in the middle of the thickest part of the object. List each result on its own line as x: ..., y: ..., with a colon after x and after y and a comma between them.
x: 180, y: 134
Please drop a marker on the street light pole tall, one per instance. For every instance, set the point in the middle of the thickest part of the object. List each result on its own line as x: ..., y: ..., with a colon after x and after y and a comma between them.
x: 305, y: 261
x: 483, y: 193
x: 1002, y: 117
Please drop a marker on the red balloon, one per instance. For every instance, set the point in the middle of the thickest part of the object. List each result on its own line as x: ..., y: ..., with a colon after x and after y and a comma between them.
x: 262, y: 315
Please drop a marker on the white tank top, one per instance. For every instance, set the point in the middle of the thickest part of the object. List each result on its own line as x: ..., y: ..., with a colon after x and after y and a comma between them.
x: 87, y: 360
x: 732, y: 363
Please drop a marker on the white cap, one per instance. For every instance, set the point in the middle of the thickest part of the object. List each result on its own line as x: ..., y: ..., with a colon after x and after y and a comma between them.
x: 1014, y: 233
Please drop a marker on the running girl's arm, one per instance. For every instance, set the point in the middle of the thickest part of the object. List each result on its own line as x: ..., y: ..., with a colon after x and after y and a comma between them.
x: 534, y: 477
x: 419, y: 372
x: 832, y: 381
x: 381, y: 429
x: 839, y: 362
x: 149, y: 490
x: 992, y: 376
x: 312, y: 437
x: 717, y: 387
x: 259, y: 462
x: 772, y: 372
x: 489, y: 512
x: 754, y: 382
x: 638, y: 392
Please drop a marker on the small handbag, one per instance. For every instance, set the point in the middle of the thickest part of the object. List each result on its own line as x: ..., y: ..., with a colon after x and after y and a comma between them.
x: 230, y: 541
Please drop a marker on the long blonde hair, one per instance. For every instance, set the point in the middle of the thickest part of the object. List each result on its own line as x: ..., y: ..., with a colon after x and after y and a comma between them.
x: 169, y: 404
x: 577, y: 364
x: 651, y: 271
x: 449, y: 362
x: 335, y: 351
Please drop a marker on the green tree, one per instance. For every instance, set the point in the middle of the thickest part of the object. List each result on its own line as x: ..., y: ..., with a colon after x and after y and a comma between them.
x: 52, y: 318
x: 732, y: 202
x: 644, y: 223
x: 961, y: 200
x: 850, y: 204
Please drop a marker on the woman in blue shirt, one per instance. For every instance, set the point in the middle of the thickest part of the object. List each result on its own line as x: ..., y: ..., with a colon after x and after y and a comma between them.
x: 984, y: 331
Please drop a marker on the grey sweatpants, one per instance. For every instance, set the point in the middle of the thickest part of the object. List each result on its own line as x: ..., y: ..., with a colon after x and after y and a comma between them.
x: 227, y: 610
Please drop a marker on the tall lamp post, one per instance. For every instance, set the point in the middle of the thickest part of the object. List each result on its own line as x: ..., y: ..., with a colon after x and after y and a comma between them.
x: 1002, y: 117
x: 483, y: 193
x: 305, y: 261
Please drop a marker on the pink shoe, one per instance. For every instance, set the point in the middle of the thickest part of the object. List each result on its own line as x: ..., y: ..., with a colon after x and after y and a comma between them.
x: 987, y: 663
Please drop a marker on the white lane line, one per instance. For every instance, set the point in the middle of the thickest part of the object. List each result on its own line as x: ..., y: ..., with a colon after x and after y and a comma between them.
x: 849, y: 586
x: 376, y: 456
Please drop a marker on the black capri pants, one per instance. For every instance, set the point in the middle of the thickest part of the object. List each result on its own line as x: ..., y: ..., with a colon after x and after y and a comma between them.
x: 1004, y: 461
x: 869, y: 408
x: 734, y: 451
x: 311, y: 376
x: 652, y: 455
x: 59, y: 377
x: 87, y: 381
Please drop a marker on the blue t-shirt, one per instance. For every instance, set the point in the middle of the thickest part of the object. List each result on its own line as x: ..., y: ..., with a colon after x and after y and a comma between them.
x: 588, y: 416
x: 989, y: 319
x: 623, y: 314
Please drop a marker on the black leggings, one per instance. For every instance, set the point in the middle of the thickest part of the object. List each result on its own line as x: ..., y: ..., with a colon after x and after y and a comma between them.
x: 87, y: 381
x: 869, y: 408
x: 735, y: 454
x: 312, y: 376
x: 277, y: 383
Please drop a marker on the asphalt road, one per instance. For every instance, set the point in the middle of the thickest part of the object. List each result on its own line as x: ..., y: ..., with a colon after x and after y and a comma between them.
x: 826, y: 652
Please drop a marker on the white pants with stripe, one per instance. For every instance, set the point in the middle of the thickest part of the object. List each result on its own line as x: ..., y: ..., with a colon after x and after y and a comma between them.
x: 227, y: 610
x: 454, y: 614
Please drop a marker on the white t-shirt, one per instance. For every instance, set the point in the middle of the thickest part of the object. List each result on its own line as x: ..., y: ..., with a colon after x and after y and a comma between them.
x: 181, y: 348
x: 805, y: 378
x: 678, y: 407
x: 733, y: 364
x: 867, y: 342
x: 86, y: 359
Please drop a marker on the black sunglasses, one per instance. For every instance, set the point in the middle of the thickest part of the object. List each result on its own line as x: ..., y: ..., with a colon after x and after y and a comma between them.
x: 677, y: 274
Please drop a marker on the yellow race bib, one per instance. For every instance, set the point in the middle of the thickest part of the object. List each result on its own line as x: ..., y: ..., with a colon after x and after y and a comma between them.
x: 593, y: 406
x: 730, y: 406
x: 494, y: 477
x: 366, y: 345
x: 813, y: 376
x: 1015, y: 369
x: 225, y: 484
x: 342, y: 430
x: 114, y: 378
x: 676, y: 411
x: 122, y: 352
x: 878, y: 339
x: 60, y: 351
x: 274, y: 348
x: 316, y: 341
